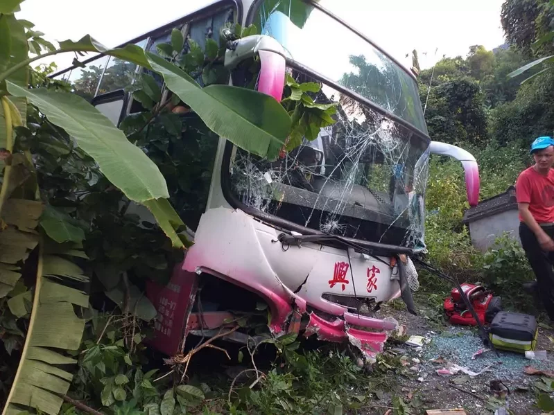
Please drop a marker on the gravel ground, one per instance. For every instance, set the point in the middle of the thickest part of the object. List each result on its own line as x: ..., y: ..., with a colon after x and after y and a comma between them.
x: 457, y: 345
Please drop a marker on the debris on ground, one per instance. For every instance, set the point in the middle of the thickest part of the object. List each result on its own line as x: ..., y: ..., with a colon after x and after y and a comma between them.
x: 457, y: 346
x: 536, y: 355
x: 449, y: 348
x: 453, y: 369
x: 479, y: 353
x: 498, y: 388
x: 528, y: 370
x: 416, y: 341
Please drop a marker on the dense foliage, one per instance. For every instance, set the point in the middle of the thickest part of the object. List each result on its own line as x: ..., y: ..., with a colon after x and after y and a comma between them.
x: 473, y: 103
x: 83, y: 213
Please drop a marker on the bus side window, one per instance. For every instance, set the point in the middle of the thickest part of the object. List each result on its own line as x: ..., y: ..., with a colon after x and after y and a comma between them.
x: 208, y: 28
x: 119, y: 74
x: 85, y: 80
x: 111, y: 105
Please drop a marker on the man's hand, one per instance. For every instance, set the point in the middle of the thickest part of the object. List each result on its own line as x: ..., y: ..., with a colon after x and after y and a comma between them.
x: 546, y: 242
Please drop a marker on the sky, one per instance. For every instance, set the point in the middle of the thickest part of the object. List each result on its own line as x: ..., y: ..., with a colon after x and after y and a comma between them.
x: 448, y: 27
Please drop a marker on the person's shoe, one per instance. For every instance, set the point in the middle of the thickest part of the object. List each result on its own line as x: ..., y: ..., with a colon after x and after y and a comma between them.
x: 531, y: 287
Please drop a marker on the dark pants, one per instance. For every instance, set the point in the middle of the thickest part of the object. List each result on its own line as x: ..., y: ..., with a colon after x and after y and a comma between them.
x: 541, y: 262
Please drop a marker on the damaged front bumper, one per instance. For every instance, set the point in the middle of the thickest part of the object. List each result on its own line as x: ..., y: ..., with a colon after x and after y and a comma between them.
x: 322, y: 290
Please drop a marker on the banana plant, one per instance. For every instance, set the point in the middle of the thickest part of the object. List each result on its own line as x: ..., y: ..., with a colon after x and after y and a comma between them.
x: 44, y: 375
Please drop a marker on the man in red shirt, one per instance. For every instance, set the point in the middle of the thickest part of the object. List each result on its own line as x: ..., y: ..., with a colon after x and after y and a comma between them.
x: 535, y: 199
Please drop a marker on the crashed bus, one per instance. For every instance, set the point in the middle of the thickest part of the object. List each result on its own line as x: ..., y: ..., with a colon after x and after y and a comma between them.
x: 318, y: 239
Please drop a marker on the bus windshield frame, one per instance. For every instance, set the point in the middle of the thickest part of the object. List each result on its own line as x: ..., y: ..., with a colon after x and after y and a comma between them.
x: 328, y: 48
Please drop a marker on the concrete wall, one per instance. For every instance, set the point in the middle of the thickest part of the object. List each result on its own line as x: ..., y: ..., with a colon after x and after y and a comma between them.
x: 485, y: 231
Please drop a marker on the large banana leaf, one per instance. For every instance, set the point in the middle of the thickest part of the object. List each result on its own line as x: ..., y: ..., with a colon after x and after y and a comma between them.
x: 169, y: 221
x: 18, y: 107
x: 42, y: 373
x: 253, y: 121
x: 9, y: 6
x: 17, y: 239
x: 131, y: 53
x: 124, y: 164
x: 525, y: 68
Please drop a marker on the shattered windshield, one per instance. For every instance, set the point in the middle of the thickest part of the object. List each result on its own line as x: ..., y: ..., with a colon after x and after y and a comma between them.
x: 363, y: 177
x: 324, y: 45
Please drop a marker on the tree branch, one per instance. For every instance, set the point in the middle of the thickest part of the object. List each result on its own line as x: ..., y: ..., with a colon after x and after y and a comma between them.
x: 79, y: 405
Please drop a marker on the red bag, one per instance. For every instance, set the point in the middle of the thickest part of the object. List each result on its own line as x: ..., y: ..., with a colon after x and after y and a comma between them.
x: 457, y: 311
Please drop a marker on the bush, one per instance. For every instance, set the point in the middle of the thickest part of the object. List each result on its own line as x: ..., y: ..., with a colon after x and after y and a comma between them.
x: 505, y: 270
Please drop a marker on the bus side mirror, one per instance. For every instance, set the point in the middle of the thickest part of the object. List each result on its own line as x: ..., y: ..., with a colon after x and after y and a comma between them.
x: 272, y: 58
x: 471, y: 168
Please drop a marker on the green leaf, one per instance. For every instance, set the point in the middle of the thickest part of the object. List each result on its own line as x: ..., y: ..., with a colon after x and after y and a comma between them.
x: 23, y: 214
x: 121, y: 380
x: 54, y: 265
x: 9, y: 6
x: 42, y: 373
x: 19, y: 51
x: 240, y: 356
x: 177, y: 40
x: 214, y: 74
x: 106, y: 396
x: 545, y: 403
x: 139, y: 305
x: 295, y: 93
x: 131, y: 53
x: 336, y: 409
x: 26, y: 24
x: 124, y: 164
x: 151, y: 87
x: 172, y: 123
x: 20, y: 305
x: 5, y: 43
x: 169, y: 221
x: 212, y: 49
x: 57, y: 226
x: 142, y: 97
x: 168, y: 403
x: 9, y: 276
x: 286, y: 339
x: 49, y: 46
x: 191, y: 394
x: 525, y: 68
x: 165, y: 49
x: 196, y: 53
x: 119, y: 394
x: 547, y: 38
x: 250, y: 31
x: 152, y: 409
x: 253, y: 121
x: 536, y: 74
x: 34, y: 47
x: 310, y: 87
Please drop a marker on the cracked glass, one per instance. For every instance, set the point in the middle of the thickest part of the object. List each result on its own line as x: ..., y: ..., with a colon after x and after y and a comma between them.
x: 331, y: 49
x: 363, y: 177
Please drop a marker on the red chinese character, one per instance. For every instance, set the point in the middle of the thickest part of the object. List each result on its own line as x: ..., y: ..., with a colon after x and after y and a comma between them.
x: 339, y: 276
x: 372, y: 278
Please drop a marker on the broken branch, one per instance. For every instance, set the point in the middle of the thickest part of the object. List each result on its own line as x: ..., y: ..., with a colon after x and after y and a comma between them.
x: 79, y: 405
x: 468, y: 392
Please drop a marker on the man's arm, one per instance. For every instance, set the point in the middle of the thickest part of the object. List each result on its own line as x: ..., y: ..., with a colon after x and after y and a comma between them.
x: 544, y: 240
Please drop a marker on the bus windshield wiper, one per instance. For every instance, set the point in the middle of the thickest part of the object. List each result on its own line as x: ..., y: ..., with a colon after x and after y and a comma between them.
x: 369, y: 248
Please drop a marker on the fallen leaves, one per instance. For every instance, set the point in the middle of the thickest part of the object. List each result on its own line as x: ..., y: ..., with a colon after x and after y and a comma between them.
x: 528, y: 370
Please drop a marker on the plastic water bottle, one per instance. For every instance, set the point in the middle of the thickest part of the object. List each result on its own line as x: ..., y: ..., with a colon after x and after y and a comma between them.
x: 536, y: 355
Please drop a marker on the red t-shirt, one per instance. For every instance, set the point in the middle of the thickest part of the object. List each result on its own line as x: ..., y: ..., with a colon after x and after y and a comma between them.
x: 538, y: 191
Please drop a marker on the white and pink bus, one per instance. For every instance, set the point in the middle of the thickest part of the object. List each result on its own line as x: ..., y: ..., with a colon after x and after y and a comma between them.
x: 322, y: 236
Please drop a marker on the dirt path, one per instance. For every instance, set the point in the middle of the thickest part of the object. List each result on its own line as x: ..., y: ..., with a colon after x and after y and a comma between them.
x: 422, y: 388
